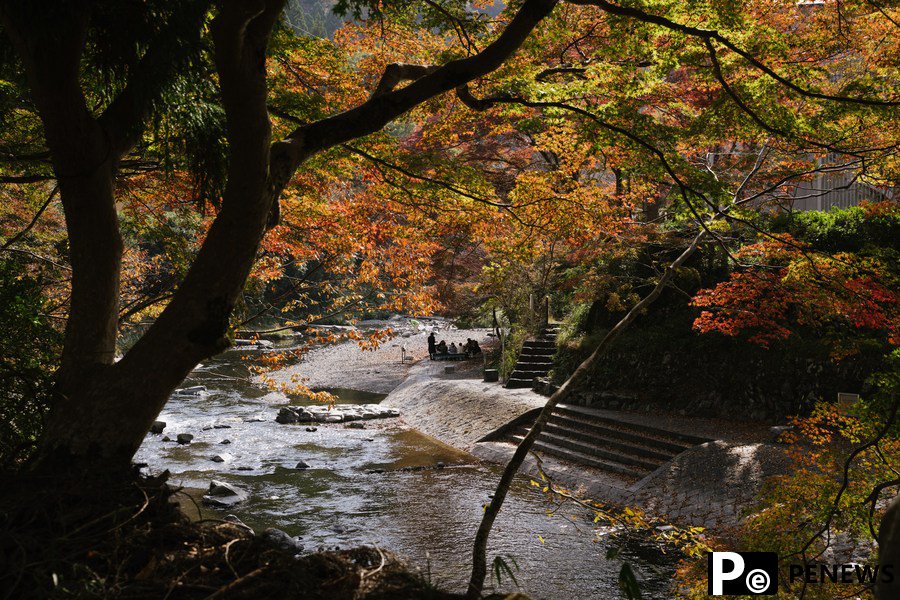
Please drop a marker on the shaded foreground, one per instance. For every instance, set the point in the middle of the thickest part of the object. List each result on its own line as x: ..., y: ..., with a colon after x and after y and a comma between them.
x: 127, y: 539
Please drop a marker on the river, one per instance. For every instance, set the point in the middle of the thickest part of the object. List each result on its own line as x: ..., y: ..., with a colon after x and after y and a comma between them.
x: 360, y: 489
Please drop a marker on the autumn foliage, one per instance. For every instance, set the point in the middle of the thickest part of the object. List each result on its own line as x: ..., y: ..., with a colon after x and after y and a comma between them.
x: 783, y: 285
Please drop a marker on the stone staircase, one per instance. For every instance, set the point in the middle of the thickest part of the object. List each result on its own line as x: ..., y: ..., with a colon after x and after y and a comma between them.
x: 629, y: 451
x: 535, y: 360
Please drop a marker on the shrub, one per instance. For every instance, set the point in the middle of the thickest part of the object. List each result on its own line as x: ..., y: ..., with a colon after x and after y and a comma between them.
x: 29, y: 345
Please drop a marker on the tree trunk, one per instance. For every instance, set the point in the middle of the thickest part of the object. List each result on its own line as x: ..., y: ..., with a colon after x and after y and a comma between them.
x: 104, y: 409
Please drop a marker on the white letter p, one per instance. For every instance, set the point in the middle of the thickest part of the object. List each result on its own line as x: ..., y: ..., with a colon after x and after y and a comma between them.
x: 719, y: 575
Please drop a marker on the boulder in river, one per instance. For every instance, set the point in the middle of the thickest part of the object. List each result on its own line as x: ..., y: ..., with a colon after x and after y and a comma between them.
x: 282, y: 540
x: 286, y: 415
x: 339, y: 413
x: 238, y: 523
x: 219, y: 458
x: 196, y: 390
x: 223, y: 494
x: 356, y: 425
x: 157, y: 427
x: 184, y: 438
x: 302, y: 465
x: 226, y: 441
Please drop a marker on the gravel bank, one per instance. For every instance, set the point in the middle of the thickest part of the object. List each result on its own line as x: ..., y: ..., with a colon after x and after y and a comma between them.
x: 347, y: 366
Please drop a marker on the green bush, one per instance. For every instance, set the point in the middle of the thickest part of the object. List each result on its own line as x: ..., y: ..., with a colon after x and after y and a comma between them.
x: 29, y: 345
x: 843, y: 230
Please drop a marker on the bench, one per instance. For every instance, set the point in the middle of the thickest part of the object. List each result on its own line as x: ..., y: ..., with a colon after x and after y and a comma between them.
x: 448, y: 356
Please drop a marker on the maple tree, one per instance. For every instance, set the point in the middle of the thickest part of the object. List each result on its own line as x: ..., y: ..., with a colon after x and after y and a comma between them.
x: 425, y: 138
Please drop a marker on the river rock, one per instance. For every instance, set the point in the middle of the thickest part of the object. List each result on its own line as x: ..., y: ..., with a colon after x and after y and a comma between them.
x: 223, y: 494
x: 356, y: 425
x: 281, y: 540
x: 197, y: 390
x: 239, y: 524
x: 329, y: 418
x: 219, y: 458
x: 333, y: 414
x: 157, y: 427
x: 286, y: 415
x: 311, y: 429
x: 184, y: 438
x: 166, y: 438
x: 225, y: 442
x: 302, y: 465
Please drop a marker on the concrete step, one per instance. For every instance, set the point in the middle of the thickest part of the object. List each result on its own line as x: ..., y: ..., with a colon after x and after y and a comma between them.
x: 602, y: 441
x: 536, y: 367
x: 589, y: 460
x: 569, y: 443
x: 542, y: 344
x: 544, y: 353
x: 527, y: 373
x: 622, y: 434
x: 535, y: 360
x: 516, y: 384
x: 598, y: 418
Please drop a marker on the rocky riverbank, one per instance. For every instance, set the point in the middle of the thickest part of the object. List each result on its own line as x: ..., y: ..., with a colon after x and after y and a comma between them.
x: 710, y: 484
x: 381, y: 370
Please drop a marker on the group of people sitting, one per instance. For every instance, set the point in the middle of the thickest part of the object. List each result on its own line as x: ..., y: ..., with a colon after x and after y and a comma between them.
x: 441, y: 349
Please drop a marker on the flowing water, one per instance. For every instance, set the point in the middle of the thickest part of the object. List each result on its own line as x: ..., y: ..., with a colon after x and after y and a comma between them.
x: 362, y: 488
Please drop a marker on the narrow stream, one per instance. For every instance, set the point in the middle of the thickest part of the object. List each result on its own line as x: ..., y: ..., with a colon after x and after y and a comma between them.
x: 357, y: 491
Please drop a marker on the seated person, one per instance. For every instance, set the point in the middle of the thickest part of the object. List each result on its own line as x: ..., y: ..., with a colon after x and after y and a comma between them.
x: 453, y: 349
x: 467, y: 347
x: 442, y: 347
x: 474, y: 348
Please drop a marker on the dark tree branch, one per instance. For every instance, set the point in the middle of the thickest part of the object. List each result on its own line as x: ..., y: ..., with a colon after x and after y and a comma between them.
x: 32, y: 178
x: 381, y: 109
x: 32, y: 223
x: 709, y: 34
x: 577, y: 72
x: 124, y: 118
x: 396, y: 73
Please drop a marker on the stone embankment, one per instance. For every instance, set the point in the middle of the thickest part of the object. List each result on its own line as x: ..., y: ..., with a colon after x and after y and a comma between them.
x: 709, y: 484
x: 458, y: 408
